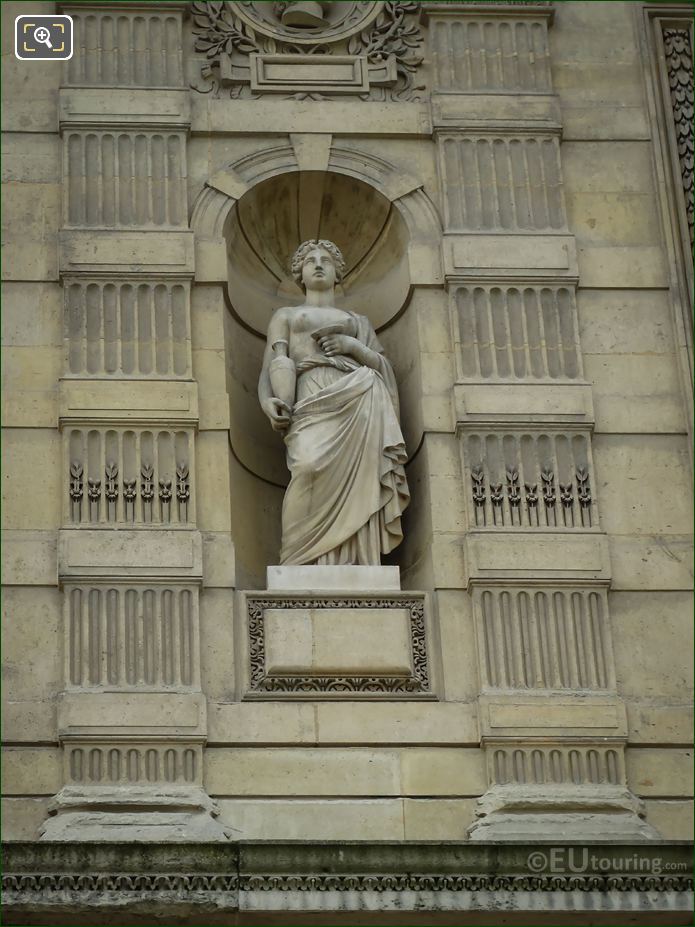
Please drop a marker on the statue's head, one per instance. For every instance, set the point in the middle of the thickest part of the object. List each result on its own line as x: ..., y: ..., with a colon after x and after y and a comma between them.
x: 317, y: 264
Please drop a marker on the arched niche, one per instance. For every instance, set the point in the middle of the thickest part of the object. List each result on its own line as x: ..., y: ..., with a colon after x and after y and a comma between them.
x: 269, y: 221
x: 261, y: 233
x: 390, y: 236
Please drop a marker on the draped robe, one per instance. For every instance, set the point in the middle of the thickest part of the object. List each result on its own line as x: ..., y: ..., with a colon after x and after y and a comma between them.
x: 346, y: 456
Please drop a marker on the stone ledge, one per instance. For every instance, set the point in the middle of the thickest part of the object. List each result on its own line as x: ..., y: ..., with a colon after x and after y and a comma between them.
x: 516, y: 9
x: 87, y: 883
x: 248, y: 117
x: 346, y: 579
x: 109, y: 716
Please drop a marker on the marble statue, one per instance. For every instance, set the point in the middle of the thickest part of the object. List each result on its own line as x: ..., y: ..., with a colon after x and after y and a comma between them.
x: 327, y: 386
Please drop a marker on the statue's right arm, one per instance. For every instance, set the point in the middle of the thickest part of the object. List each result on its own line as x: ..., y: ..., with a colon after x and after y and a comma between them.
x: 276, y: 410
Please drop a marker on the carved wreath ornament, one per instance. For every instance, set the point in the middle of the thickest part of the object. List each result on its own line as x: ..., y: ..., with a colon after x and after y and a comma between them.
x: 376, y: 45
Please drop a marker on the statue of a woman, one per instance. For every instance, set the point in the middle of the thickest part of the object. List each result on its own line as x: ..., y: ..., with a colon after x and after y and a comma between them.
x: 326, y: 384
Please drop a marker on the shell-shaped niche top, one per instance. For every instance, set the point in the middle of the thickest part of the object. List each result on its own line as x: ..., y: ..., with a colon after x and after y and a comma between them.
x: 305, y: 21
x: 275, y: 216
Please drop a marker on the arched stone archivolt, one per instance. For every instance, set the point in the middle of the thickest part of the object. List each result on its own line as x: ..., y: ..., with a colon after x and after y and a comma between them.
x: 397, y: 241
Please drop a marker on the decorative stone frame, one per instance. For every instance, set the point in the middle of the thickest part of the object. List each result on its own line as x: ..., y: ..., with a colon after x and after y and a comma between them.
x: 265, y: 685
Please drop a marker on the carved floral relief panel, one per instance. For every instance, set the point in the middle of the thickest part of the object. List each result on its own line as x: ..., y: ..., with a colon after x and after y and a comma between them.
x: 530, y: 479
x: 678, y: 52
x: 129, y: 476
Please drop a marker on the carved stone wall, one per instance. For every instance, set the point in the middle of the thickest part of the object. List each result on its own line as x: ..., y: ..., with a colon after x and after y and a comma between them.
x: 489, y: 169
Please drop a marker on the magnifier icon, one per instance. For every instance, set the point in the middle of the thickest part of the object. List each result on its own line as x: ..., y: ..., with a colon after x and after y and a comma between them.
x: 42, y: 35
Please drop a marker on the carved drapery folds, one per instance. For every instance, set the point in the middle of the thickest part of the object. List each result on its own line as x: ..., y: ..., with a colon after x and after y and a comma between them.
x: 369, y: 49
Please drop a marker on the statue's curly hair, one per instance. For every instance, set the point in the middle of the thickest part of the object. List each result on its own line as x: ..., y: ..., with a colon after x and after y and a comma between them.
x: 307, y: 246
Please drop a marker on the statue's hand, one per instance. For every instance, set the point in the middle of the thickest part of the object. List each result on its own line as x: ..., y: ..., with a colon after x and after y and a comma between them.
x: 338, y: 344
x: 278, y: 412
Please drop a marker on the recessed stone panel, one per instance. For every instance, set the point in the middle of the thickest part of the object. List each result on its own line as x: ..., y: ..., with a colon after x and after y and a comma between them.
x: 552, y: 716
x: 129, y: 553
x: 555, y: 555
x: 338, y: 640
x: 479, y: 254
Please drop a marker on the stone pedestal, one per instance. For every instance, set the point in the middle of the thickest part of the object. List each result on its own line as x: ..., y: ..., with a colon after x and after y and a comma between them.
x: 129, y: 814
x: 572, y: 812
x: 335, y: 632
x: 333, y: 579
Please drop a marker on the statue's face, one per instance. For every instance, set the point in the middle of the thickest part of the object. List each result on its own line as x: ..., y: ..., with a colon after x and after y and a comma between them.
x: 318, y: 270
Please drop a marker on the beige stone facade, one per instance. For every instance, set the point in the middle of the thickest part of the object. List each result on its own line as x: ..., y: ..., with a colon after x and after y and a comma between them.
x: 509, y: 183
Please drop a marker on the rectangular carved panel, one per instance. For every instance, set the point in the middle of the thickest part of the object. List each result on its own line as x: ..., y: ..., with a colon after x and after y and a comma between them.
x: 303, y: 73
x: 344, y: 670
x: 125, y: 48
x: 530, y: 479
x: 501, y: 182
x: 127, y: 329
x: 530, y: 556
x: 515, y: 332
x: 495, y: 54
x: 129, y: 476
x: 338, y: 640
x: 541, y: 764
x: 133, y: 764
x: 131, y: 637
x: 544, y: 638
x: 121, y: 179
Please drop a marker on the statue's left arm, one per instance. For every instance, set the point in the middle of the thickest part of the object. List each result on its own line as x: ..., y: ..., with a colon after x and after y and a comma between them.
x: 332, y: 345
x: 366, y: 350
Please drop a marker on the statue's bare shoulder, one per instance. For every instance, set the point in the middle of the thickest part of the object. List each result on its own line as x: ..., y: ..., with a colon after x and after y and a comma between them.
x: 279, y: 324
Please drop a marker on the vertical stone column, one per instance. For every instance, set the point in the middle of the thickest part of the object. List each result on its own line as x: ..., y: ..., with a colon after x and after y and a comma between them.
x: 536, y: 560
x: 132, y: 718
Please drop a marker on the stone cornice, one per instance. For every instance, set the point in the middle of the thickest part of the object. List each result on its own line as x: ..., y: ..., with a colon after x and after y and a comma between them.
x: 259, y: 876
